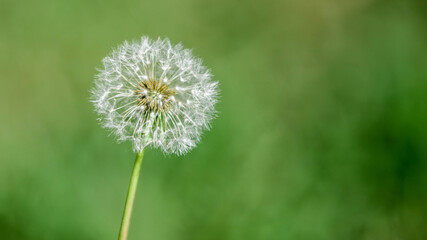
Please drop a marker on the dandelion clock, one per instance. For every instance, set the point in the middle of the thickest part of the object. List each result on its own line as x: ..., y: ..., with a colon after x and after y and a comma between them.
x: 155, y: 95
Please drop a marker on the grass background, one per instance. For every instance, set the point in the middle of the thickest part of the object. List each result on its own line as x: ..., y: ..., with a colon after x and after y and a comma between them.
x: 321, y: 135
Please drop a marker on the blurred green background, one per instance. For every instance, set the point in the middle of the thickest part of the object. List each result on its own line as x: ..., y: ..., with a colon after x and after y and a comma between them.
x: 321, y: 134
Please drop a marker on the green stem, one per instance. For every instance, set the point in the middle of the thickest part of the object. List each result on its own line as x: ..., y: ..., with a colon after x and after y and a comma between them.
x: 124, y: 228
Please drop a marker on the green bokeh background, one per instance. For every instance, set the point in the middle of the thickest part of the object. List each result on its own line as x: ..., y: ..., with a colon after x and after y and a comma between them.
x: 322, y: 131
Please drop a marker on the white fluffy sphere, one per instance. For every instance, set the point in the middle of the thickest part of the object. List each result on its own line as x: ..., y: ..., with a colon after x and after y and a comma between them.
x: 155, y: 94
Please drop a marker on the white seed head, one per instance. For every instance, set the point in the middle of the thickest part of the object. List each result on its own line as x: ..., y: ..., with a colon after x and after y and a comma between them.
x: 155, y: 94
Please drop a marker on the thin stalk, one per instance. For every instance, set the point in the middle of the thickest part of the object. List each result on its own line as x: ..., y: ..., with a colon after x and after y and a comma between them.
x: 124, y: 228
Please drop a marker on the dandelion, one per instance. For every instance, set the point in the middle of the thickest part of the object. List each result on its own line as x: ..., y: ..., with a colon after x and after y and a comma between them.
x: 154, y: 94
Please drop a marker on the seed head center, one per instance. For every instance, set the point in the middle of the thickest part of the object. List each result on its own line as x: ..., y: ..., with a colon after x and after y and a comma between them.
x: 155, y: 95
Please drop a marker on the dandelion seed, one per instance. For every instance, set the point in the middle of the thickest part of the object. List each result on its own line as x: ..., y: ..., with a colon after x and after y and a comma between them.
x: 156, y: 95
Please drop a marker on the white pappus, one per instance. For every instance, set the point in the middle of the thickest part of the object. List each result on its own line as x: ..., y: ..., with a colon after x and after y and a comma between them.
x: 155, y: 94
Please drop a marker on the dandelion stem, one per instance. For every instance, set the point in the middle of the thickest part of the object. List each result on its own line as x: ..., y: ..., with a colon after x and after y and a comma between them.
x: 124, y: 228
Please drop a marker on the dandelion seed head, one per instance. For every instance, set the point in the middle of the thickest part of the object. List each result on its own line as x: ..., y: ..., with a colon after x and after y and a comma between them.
x: 155, y: 94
